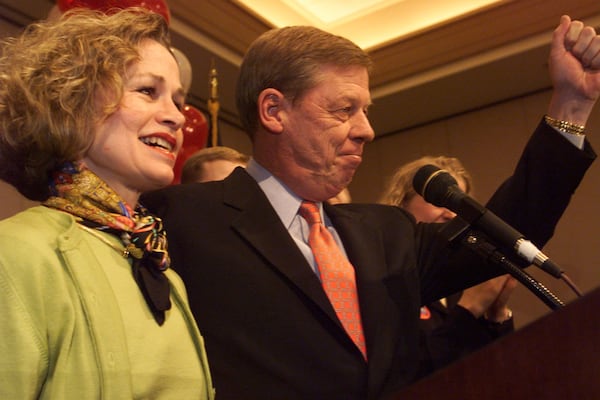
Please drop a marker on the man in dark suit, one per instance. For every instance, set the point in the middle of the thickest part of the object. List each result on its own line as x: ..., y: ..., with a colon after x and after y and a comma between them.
x: 241, y: 246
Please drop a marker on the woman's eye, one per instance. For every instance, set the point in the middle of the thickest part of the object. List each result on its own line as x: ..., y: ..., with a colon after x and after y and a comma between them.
x: 150, y: 91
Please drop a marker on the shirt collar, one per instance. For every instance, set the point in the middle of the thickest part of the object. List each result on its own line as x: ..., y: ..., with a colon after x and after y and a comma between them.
x: 285, y: 202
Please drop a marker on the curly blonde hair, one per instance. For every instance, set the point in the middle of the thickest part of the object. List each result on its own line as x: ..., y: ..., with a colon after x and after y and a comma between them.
x: 399, y: 190
x: 57, y: 81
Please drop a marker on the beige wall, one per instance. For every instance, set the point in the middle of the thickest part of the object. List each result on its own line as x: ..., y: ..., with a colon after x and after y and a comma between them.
x: 489, y: 142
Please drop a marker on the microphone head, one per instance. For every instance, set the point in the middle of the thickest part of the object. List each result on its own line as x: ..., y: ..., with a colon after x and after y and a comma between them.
x: 434, y: 184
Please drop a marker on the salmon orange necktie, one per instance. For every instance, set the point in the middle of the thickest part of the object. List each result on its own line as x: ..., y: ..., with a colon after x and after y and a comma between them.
x: 337, y: 274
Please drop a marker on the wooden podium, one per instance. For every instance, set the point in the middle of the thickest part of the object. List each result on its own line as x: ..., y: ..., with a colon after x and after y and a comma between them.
x: 555, y: 357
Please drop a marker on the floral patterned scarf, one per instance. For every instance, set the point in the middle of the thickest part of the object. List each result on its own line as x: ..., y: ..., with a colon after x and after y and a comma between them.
x: 78, y: 191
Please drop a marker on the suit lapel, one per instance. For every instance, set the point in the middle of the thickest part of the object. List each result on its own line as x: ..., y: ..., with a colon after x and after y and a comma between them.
x: 259, y: 224
x: 364, y: 247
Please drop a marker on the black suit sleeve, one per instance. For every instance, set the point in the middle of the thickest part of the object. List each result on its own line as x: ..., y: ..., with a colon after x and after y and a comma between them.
x: 459, y: 334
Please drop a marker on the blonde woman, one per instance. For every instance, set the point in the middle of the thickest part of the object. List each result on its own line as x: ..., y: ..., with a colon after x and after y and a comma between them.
x: 457, y: 325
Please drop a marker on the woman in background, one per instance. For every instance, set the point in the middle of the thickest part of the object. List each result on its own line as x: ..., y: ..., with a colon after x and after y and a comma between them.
x: 464, y: 322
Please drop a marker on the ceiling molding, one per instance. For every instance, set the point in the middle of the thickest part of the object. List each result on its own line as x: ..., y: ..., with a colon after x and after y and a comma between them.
x: 483, y: 57
x: 233, y: 27
x: 219, y: 49
x: 222, y: 21
x: 493, y: 27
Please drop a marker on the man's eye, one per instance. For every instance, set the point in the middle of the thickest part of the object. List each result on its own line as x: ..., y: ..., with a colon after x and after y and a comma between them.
x: 345, y: 111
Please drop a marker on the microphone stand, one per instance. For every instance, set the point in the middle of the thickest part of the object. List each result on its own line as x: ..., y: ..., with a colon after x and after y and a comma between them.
x: 456, y: 230
x: 491, y: 253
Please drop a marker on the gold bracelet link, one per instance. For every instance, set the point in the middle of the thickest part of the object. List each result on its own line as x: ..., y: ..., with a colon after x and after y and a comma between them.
x: 565, y: 126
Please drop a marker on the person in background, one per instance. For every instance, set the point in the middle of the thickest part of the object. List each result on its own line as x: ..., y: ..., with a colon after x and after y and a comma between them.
x: 212, y: 164
x: 90, y: 117
x: 463, y: 322
x: 266, y: 247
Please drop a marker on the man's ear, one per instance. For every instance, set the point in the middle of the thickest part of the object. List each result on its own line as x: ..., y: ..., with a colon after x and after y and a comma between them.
x: 270, y: 103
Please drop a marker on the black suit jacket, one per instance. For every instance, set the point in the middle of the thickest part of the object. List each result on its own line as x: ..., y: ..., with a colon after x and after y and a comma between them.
x: 450, y: 332
x: 269, y: 328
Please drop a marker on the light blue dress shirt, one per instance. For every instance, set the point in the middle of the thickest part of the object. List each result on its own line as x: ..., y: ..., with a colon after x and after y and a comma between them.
x: 286, y: 205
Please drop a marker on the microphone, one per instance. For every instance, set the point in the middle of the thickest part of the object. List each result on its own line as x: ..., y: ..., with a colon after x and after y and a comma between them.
x: 439, y: 188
